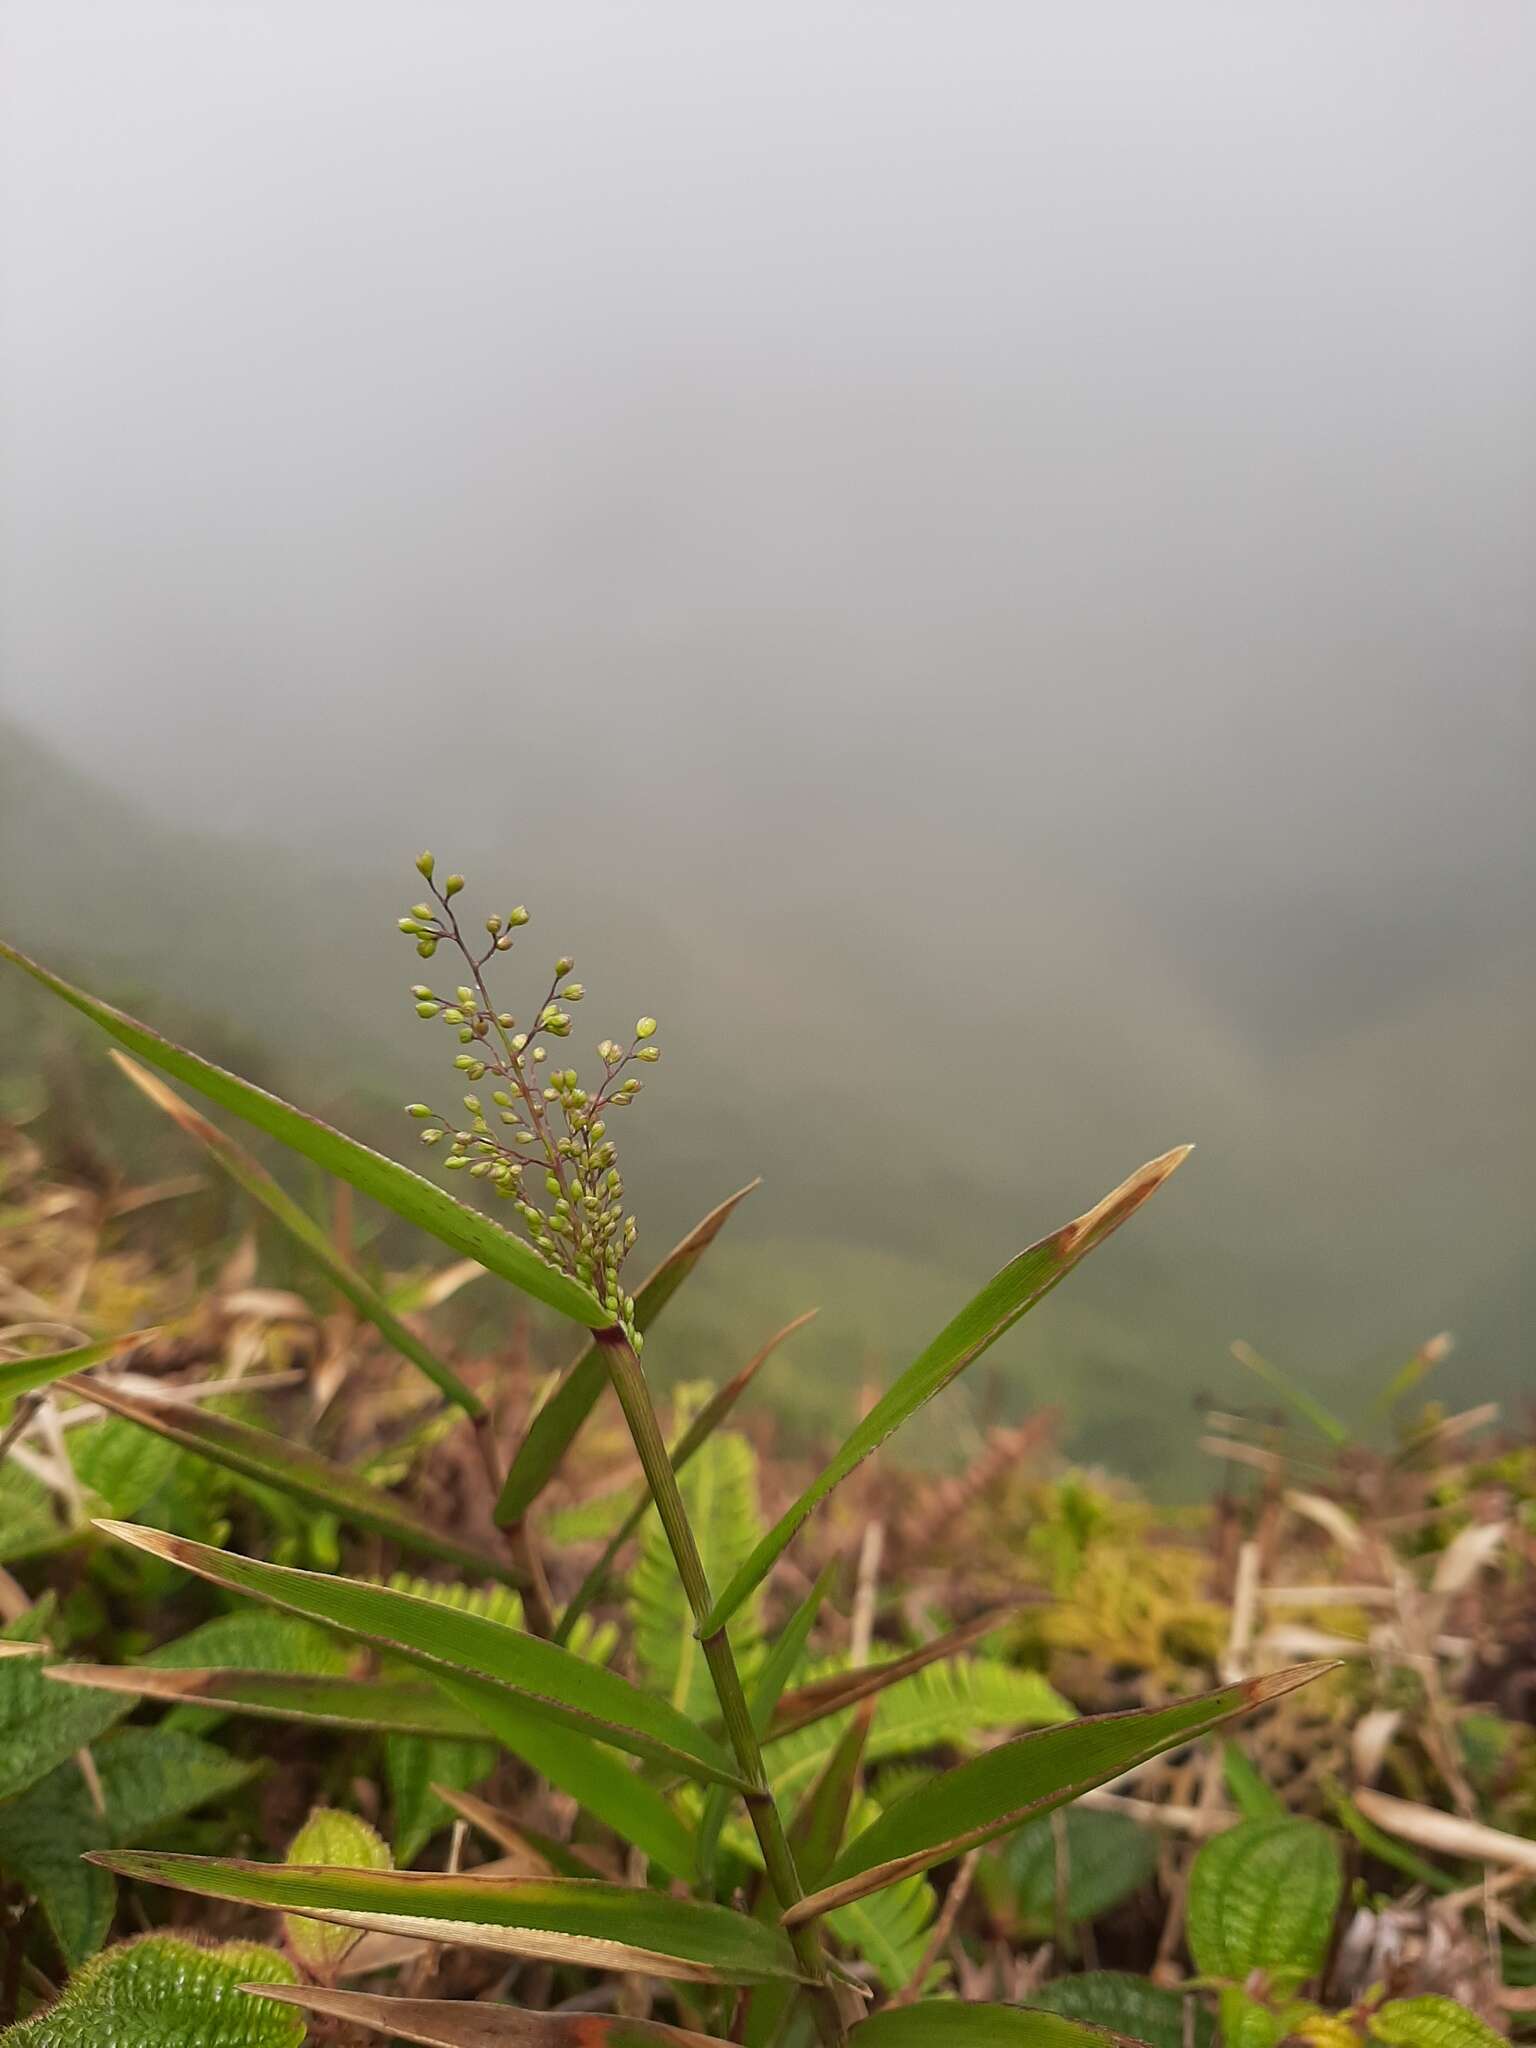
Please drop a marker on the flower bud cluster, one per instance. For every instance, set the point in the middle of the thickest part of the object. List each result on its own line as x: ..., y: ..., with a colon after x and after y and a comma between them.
x: 539, y: 1139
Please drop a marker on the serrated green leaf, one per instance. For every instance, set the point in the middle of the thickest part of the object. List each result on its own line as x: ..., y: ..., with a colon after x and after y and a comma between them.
x: 482, y: 1658
x: 150, y: 1993
x: 1023, y: 1282
x: 991, y: 1794
x: 122, y: 1466
x: 1247, y: 2024
x: 1131, y: 2007
x: 1109, y: 1856
x: 554, y: 1427
x: 601, y: 1925
x: 292, y: 1469
x: 41, y: 1725
x: 250, y: 1175
x: 147, y: 1777
x: 419, y: 1201
x: 1263, y: 1896
x: 1431, y: 2022
x: 330, y: 1839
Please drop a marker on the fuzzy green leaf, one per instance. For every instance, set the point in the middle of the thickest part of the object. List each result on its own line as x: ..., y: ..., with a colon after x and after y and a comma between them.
x: 1129, y: 2006
x: 41, y: 1726
x: 332, y: 1840
x: 1108, y: 1858
x: 150, y: 1993
x: 1263, y: 1896
x: 1431, y: 2022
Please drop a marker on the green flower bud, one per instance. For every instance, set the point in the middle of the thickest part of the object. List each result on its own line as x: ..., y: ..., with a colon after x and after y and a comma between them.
x: 518, y: 916
x: 493, y: 925
x: 572, y: 994
x: 425, y: 865
x: 503, y: 944
x: 417, y: 1109
x: 409, y: 926
x: 564, y: 964
x: 432, y: 1137
x: 453, y: 885
x: 421, y: 910
x: 426, y: 1009
x: 650, y: 1053
x: 426, y: 948
x: 646, y: 1028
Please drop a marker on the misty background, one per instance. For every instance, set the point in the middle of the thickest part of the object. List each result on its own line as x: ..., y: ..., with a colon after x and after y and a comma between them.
x: 975, y: 561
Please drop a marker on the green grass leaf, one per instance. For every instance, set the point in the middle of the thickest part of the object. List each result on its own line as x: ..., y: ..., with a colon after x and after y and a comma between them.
x: 991, y: 1794
x: 419, y: 1201
x: 331, y: 1839
x: 292, y: 1469
x: 452, y: 2023
x: 946, y: 2023
x: 389, y: 1706
x: 484, y: 1658
x: 249, y: 1174
x: 1263, y: 1896
x: 553, y: 1428
x: 1025, y: 1280
x: 26, y: 1375
x: 586, y: 1921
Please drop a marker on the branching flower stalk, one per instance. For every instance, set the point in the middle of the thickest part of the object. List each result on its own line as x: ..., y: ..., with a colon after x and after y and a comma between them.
x: 547, y: 1119
x: 571, y: 1203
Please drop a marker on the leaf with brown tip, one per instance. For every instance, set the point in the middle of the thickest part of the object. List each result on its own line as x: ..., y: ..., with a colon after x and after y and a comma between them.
x: 990, y: 1794
x: 392, y: 1706
x: 1023, y: 1282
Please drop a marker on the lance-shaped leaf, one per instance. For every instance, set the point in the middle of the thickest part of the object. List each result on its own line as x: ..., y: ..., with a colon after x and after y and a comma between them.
x: 1296, y: 1397
x: 540, y: 1854
x: 419, y: 1201
x: 249, y: 1174
x: 987, y: 1795
x: 597, y: 1779
x: 25, y: 1375
x: 453, y: 2023
x: 693, y: 1439
x: 946, y: 2023
x: 292, y: 1469
x: 1025, y: 1280
x: 551, y: 1431
x: 383, y: 1705
x: 552, y: 1919
x: 475, y: 1655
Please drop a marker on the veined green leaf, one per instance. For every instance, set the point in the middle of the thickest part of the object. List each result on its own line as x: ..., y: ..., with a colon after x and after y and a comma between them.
x: 990, y: 1794
x: 1430, y: 2022
x: 145, y: 1994
x: 39, y: 1728
x: 26, y: 1375
x: 551, y: 1431
x: 291, y: 1469
x: 453, y: 2023
x: 248, y: 1173
x: 694, y: 1437
x: 946, y: 2023
x: 1130, y: 2005
x: 1263, y: 1896
x: 419, y: 1201
x: 602, y: 1926
x: 1025, y: 1280
x: 1109, y: 1856
x: 480, y: 1655
x: 391, y: 1706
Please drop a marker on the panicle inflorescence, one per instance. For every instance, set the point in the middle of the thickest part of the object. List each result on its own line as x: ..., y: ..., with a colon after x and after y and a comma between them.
x: 537, y: 1136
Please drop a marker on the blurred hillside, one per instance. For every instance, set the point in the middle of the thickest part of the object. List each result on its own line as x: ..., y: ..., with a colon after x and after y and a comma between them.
x: 922, y: 1096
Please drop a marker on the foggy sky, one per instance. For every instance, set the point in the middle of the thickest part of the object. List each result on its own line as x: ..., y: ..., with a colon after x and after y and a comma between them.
x: 1010, y: 490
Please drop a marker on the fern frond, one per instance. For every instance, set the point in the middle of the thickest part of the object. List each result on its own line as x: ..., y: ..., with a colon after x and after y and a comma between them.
x: 719, y: 1487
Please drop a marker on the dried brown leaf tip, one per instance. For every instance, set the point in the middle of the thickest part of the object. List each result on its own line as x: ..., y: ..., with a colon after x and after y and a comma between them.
x: 1274, y: 1684
x: 1119, y: 1204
